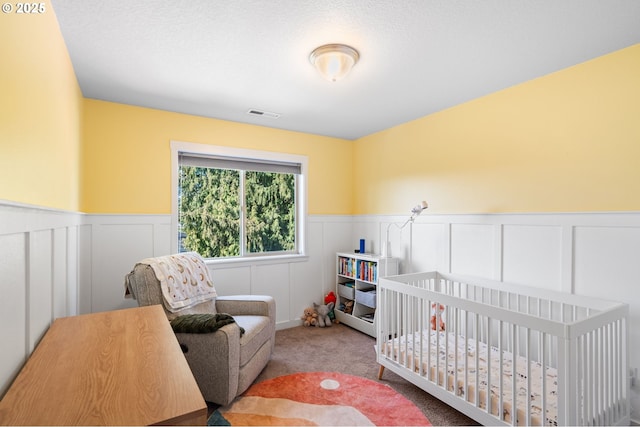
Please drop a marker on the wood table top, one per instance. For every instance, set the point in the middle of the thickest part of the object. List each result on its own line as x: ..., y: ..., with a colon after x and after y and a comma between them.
x: 122, y: 367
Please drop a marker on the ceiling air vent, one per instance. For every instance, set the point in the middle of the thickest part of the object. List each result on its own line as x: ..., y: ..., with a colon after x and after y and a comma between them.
x: 261, y: 113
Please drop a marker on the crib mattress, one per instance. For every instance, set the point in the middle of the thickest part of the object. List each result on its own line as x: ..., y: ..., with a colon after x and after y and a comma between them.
x: 443, y: 362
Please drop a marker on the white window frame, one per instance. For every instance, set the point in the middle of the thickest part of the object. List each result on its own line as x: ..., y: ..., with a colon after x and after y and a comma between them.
x: 178, y: 147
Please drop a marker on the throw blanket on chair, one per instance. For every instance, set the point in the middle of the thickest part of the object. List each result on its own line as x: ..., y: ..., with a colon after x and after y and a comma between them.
x: 184, y: 279
x: 202, y: 323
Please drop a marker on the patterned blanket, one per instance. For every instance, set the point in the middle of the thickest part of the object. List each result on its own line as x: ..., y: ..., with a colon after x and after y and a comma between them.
x: 184, y: 279
x: 443, y: 367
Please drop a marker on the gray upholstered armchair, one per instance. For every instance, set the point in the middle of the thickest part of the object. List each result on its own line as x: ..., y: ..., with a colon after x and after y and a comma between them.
x: 225, y: 362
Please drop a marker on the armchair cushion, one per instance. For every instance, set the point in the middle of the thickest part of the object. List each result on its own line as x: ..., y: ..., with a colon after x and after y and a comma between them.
x: 258, y: 331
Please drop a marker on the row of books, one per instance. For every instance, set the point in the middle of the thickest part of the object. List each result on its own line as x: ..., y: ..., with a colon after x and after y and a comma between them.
x: 359, y: 269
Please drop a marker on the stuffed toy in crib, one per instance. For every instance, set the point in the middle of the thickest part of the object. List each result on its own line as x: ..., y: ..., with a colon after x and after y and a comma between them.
x: 437, y: 323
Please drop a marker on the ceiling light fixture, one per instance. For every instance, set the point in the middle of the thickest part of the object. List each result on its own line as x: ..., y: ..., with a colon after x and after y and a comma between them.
x: 334, y: 61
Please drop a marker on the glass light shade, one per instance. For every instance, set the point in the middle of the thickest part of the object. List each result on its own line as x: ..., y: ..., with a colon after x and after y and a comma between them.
x: 334, y: 61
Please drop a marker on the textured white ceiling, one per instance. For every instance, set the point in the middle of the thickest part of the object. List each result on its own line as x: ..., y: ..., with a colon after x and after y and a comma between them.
x: 220, y: 58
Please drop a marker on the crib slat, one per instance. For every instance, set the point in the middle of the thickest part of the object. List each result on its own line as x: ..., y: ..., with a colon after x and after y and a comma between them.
x: 514, y: 396
x: 404, y: 327
x: 607, y: 374
x: 622, y: 337
x: 399, y: 324
x: 466, y: 356
x: 601, y: 370
x: 477, y: 351
x: 580, y: 363
x: 437, y: 357
x: 591, y: 370
x: 445, y: 379
x: 421, y: 326
x: 429, y: 376
x: 618, y: 371
x: 614, y: 372
x: 596, y: 374
x: 528, y: 353
x: 456, y: 331
x: 543, y: 374
x: 501, y: 362
x: 488, y: 393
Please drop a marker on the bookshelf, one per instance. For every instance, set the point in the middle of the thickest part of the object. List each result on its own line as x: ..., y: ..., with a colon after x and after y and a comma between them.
x: 357, y: 279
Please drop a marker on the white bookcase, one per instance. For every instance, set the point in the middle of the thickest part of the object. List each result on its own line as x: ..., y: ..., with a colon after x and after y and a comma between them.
x: 357, y: 279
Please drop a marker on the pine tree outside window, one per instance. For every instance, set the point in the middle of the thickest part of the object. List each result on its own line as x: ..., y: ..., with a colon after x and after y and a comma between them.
x: 232, y: 203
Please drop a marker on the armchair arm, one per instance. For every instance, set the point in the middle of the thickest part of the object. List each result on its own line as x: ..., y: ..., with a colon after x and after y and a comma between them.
x: 214, y: 360
x: 243, y: 305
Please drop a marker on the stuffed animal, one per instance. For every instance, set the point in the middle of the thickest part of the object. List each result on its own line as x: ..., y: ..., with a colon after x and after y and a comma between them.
x: 348, y: 307
x: 435, y: 325
x: 331, y: 297
x: 309, y: 317
x: 323, y: 314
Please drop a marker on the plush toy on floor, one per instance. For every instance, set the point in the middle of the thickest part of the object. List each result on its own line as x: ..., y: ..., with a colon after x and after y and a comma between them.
x: 323, y: 313
x: 309, y: 317
x: 434, y: 314
x: 331, y: 297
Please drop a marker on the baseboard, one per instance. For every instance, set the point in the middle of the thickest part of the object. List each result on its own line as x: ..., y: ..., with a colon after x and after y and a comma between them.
x: 288, y: 324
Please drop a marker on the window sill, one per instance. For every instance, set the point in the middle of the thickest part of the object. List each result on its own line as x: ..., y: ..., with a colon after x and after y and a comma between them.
x: 257, y: 260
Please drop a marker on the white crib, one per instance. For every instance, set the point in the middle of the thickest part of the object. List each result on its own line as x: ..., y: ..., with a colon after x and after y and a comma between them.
x: 559, y: 359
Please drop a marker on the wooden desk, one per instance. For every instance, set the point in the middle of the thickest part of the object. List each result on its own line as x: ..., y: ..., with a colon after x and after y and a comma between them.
x: 122, y: 367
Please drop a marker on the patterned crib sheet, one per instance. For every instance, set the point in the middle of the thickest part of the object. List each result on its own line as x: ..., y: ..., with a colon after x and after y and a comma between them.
x: 402, y: 351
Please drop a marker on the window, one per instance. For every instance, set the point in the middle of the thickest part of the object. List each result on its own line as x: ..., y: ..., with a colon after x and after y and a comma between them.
x: 233, y: 203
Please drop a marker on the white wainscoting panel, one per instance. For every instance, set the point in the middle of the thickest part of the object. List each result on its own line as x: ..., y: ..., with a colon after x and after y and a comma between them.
x: 308, y: 280
x: 532, y: 255
x: 39, y: 270
x: 231, y: 280
x: 337, y: 235
x: 115, y: 250
x: 13, y: 316
x: 428, y: 241
x: 72, y: 271
x: 116, y: 243
x: 607, y: 265
x: 274, y: 280
x: 40, y: 288
x: 473, y: 250
x: 59, y: 273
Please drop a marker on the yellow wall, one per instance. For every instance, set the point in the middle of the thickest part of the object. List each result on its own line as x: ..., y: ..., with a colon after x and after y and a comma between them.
x: 40, y: 113
x: 569, y: 141
x: 127, y: 158
x: 565, y: 142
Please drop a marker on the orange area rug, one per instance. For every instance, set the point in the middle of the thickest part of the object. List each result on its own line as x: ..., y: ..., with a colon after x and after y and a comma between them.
x: 319, y: 398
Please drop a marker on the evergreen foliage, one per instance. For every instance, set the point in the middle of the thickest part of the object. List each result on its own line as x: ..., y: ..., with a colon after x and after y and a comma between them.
x: 209, y: 211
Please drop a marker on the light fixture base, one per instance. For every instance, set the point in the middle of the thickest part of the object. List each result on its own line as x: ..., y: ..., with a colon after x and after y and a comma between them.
x: 334, y: 61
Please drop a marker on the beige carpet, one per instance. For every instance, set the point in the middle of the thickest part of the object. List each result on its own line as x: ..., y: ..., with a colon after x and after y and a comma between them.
x: 340, y: 348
